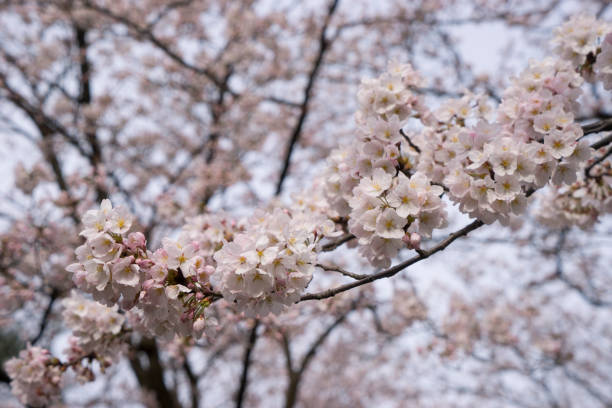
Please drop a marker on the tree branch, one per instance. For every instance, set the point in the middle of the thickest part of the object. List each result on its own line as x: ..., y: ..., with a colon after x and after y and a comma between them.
x: 246, y: 364
x: 45, y: 317
x: 330, y: 246
x: 422, y: 254
x: 151, y: 377
x: 148, y: 34
x: 415, y: 147
x: 324, y: 44
x: 295, y: 375
x: 387, y: 273
x: 600, y: 126
x: 193, y: 383
x: 603, y: 157
x: 342, y: 271
x: 84, y: 99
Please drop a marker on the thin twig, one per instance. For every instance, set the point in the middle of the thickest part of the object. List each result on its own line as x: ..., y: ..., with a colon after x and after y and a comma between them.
x: 356, y: 276
x: 415, y: 147
x: 387, y: 273
x: 330, y: 246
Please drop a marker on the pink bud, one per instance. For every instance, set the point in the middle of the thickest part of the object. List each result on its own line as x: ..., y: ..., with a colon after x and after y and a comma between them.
x: 198, y: 326
x: 136, y: 240
x: 148, y: 284
x: 412, y: 241
x: 415, y: 240
x: 144, y: 263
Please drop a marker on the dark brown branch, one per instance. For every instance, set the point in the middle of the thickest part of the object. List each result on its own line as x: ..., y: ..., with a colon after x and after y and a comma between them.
x: 246, y: 364
x: 387, y: 273
x: 151, y: 376
x: 287, y: 353
x: 47, y: 127
x: 193, y: 384
x: 315, y: 346
x: 280, y: 101
x: 341, y: 271
x: 46, y: 124
x: 167, y: 9
x: 324, y: 44
x: 603, y: 157
x: 415, y: 147
x: 603, y: 142
x: 84, y: 99
x: 330, y: 246
x: 602, y: 9
x: 296, y: 375
x: 148, y: 35
x: 600, y: 126
x: 45, y: 318
x: 377, y: 322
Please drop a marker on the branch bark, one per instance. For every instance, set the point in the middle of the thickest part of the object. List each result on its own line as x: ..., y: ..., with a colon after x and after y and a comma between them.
x: 296, y: 375
x: 147, y: 34
x: 151, y: 377
x: 45, y: 318
x: 246, y: 364
x: 387, y: 273
x: 324, y: 44
x: 600, y: 126
x: 422, y: 254
x: 193, y: 383
x: 84, y: 99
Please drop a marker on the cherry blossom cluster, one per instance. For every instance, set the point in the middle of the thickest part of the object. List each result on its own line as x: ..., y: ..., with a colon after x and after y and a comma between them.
x: 603, y: 65
x: 581, y: 203
x: 169, y: 287
x: 36, y: 376
x: 95, y: 328
x: 267, y: 267
x: 373, y: 183
x: 340, y: 180
x: 577, y: 40
x: 390, y: 212
x: 490, y: 166
x: 209, y: 232
x: 385, y: 105
x: 587, y: 43
x: 538, y: 109
x: 104, y: 267
x: 385, y: 102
